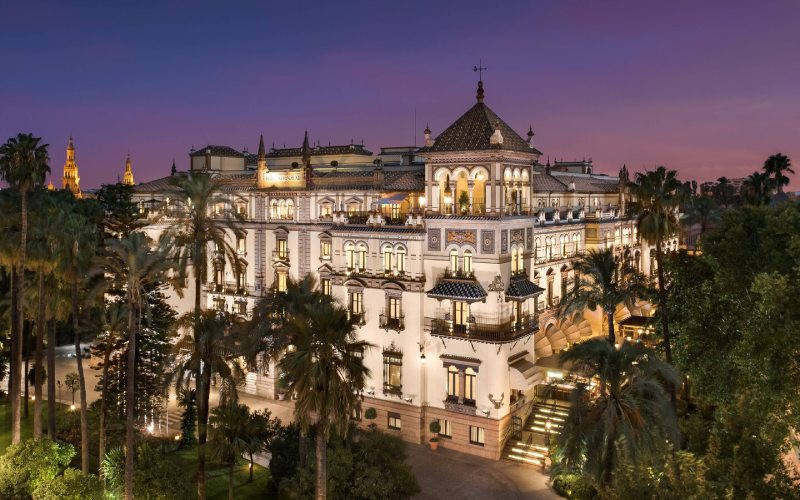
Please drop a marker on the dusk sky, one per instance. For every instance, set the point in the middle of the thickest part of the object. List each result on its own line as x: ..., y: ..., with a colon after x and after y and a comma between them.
x: 708, y: 88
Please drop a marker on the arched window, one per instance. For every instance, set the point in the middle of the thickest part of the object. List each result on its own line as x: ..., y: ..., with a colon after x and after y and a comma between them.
x: 282, y: 209
x: 400, y: 253
x: 386, y: 254
x: 467, y: 262
x: 361, y: 263
x: 349, y: 253
x: 453, y: 261
x: 273, y: 213
x: 470, y: 377
x: 452, y: 382
x: 516, y: 260
x: 290, y: 209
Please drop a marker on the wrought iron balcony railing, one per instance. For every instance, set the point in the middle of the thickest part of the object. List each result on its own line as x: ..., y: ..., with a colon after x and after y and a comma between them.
x: 481, y: 329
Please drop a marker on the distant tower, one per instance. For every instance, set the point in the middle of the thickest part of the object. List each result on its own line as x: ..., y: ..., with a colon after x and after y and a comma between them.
x: 71, y: 180
x: 262, y: 163
x: 127, y: 178
x: 306, y: 158
x: 50, y: 186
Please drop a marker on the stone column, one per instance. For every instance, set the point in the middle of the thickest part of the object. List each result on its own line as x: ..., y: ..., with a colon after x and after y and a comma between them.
x: 462, y: 380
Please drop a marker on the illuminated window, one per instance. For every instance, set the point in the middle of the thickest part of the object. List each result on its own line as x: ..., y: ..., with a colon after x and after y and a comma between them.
x: 387, y: 258
x: 476, y: 435
x: 445, y: 430
x: 283, y: 249
x: 362, y: 257
x: 240, y: 245
x: 394, y: 421
x: 460, y: 313
x: 453, y: 260
x: 356, y: 303
x: 401, y: 259
x: 326, y: 210
x: 325, y: 284
x: 392, y: 372
x: 241, y: 208
x: 290, y: 209
x: 394, y: 307
x: 240, y: 281
x: 282, y: 279
x: 467, y: 262
x: 452, y: 382
x: 470, y: 378
x: 395, y: 211
x: 325, y: 250
x: 273, y: 212
x: 241, y: 308
x: 350, y: 255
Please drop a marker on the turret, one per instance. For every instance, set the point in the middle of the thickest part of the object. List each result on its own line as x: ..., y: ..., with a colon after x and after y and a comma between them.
x: 428, y: 139
x: 262, y: 163
x: 70, y: 179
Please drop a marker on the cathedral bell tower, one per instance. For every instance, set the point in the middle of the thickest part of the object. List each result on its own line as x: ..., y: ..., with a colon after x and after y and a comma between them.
x: 127, y: 178
x: 71, y: 180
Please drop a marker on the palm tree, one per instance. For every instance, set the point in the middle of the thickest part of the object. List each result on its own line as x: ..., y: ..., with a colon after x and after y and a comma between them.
x: 78, y: 239
x: 630, y: 414
x: 756, y: 187
x: 113, y: 325
x: 24, y: 165
x: 603, y: 283
x: 702, y: 211
x: 657, y: 197
x: 229, y: 436
x: 326, y: 372
x: 134, y: 265
x: 776, y: 167
x: 206, y: 350
x: 723, y: 188
x: 202, y: 217
x: 261, y: 428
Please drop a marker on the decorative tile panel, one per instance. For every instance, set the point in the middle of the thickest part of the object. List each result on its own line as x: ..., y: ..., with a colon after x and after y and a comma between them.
x: 487, y: 240
x: 504, y: 241
x: 435, y: 240
x: 529, y: 239
x: 462, y: 237
x: 517, y: 236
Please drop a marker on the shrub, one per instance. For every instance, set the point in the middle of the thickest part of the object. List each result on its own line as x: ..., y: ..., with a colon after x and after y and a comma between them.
x: 26, y: 465
x: 188, y: 402
x: 435, y: 429
x: 72, y: 485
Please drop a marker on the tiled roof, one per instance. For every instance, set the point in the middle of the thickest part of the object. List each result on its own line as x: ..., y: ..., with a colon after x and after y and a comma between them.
x: 521, y: 287
x: 472, y: 131
x: 407, y: 180
x: 467, y: 290
x: 321, y: 150
x: 375, y: 229
x: 589, y: 184
x: 217, y: 151
x: 546, y: 182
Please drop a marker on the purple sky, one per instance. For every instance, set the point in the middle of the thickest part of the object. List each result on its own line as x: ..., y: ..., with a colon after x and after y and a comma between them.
x: 708, y: 88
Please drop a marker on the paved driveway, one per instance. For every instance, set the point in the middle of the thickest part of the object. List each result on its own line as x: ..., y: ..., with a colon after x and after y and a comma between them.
x: 449, y: 474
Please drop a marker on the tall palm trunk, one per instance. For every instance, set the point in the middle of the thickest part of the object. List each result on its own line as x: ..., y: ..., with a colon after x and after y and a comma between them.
x: 16, y: 348
x: 200, y: 386
x: 322, y: 464
x: 81, y: 379
x: 51, y: 378
x: 37, y: 363
x: 662, y: 309
x: 16, y: 359
x: 612, y: 339
x: 26, y: 355
x: 230, y: 480
x: 103, y: 407
x: 130, y: 401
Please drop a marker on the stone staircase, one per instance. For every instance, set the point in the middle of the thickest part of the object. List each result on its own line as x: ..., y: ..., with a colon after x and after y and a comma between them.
x: 530, y: 447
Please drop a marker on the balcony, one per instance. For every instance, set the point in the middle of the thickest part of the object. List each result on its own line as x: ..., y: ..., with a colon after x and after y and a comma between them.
x: 388, y: 322
x: 280, y: 255
x: 459, y: 273
x: 484, y: 329
x: 465, y: 406
x: 358, y: 318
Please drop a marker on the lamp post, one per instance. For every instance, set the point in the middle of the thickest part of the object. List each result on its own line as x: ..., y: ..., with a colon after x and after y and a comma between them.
x: 59, y: 390
x: 547, y: 426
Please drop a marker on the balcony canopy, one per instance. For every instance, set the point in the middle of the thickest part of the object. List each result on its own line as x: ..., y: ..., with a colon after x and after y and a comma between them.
x: 521, y: 288
x: 455, y: 289
x: 393, y: 199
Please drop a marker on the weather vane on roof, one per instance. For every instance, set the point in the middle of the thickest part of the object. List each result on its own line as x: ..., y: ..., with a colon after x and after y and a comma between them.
x: 479, y: 69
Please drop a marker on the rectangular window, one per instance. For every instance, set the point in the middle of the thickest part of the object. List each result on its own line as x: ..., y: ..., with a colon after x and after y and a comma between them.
x: 218, y: 278
x: 241, y: 208
x: 444, y: 428
x: 241, y: 245
x: 326, y: 210
x: 241, y: 308
x: 394, y: 307
x: 395, y: 211
x: 362, y: 259
x: 452, y: 382
x: 392, y: 372
x: 460, y: 313
x: 356, y: 303
x: 219, y: 304
x: 282, y: 279
x: 240, y: 281
x: 470, y: 377
x: 394, y: 421
x: 387, y: 260
x: 476, y: 435
x: 283, y: 249
x: 325, y: 250
x: 326, y: 286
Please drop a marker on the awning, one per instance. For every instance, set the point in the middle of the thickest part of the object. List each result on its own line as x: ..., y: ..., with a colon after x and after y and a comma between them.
x: 393, y: 199
x: 521, y: 288
x: 453, y: 289
x: 521, y: 373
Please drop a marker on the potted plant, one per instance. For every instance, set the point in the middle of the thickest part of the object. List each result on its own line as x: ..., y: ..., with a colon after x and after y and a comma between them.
x: 463, y: 202
x: 371, y: 414
x: 435, y: 430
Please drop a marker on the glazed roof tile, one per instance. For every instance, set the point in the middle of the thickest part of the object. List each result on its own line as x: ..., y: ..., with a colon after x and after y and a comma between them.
x: 520, y: 287
x: 468, y: 290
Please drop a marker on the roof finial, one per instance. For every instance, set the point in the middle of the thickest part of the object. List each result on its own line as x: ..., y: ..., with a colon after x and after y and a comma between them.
x: 261, y: 149
x: 479, y: 69
x: 530, y: 133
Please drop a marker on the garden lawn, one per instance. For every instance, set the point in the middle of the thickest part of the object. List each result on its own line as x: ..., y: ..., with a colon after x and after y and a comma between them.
x: 27, y: 424
x: 217, y: 478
